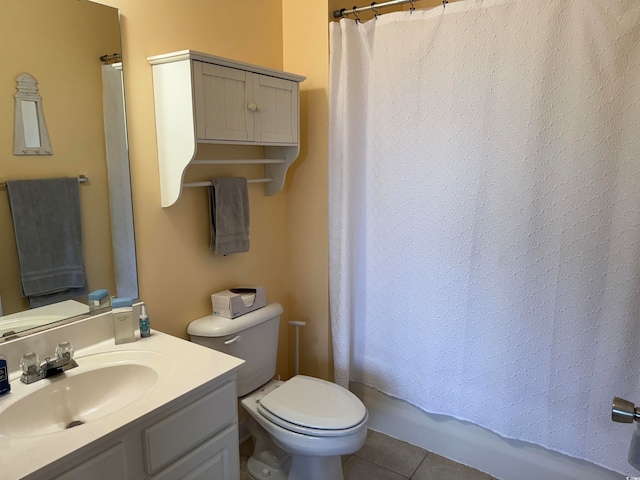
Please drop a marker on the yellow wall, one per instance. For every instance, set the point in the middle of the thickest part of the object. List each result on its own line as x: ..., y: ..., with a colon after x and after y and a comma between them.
x: 177, y: 271
x: 289, y: 236
x: 59, y: 43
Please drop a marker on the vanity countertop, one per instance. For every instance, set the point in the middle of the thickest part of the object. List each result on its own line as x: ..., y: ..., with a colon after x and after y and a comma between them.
x: 182, y: 367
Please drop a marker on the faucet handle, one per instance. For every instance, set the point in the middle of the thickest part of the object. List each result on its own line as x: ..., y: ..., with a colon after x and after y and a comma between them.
x: 30, y: 363
x: 64, y: 350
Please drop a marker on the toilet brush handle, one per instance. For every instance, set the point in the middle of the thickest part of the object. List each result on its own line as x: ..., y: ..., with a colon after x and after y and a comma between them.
x: 297, y: 353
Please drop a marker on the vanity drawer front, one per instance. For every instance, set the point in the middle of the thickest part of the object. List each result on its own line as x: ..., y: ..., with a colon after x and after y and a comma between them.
x: 216, y: 459
x: 107, y: 465
x: 172, y: 437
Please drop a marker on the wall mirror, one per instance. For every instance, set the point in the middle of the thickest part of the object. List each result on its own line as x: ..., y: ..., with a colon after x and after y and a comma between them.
x: 61, y: 44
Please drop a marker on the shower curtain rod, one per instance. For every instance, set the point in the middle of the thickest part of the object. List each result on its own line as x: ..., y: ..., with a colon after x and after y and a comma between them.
x: 374, y: 6
x: 109, y: 59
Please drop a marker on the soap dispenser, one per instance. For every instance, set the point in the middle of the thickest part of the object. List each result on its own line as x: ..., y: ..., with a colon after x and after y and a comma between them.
x: 145, y: 330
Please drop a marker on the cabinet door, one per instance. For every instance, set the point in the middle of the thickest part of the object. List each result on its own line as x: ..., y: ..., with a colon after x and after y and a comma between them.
x: 276, y: 117
x: 181, y: 431
x: 216, y: 459
x: 223, y: 102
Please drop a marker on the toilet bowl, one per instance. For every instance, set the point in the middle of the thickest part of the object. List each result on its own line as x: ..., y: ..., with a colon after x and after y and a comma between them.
x: 300, y: 427
x: 296, y: 415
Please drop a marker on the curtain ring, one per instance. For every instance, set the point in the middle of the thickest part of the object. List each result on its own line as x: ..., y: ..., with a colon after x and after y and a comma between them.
x: 412, y: 6
x: 444, y: 3
x: 355, y: 14
x: 375, y: 12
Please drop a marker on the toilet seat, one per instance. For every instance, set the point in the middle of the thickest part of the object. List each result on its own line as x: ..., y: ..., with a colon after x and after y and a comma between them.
x: 312, y: 406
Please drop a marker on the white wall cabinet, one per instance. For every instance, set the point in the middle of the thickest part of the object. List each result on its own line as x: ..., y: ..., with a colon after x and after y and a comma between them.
x: 203, y: 99
x: 193, y: 437
x: 239, y: 106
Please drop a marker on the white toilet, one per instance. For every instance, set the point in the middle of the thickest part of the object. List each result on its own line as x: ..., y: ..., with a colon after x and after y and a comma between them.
x: 300, y: 427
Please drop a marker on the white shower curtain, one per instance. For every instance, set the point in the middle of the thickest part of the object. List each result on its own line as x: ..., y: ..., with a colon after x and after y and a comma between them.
x: 484, y: 203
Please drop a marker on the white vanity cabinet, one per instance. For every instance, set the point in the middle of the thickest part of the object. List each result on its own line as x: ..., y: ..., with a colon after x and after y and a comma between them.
x: 193, y: 437
x: 204, y: 99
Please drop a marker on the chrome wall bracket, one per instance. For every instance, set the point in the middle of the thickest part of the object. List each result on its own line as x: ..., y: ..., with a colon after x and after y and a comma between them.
x: 624, y: 411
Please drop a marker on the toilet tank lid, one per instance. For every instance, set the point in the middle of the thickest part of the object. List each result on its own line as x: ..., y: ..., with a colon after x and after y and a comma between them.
x: 215, y: 326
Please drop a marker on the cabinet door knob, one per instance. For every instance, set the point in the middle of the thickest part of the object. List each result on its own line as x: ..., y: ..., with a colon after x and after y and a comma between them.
x: 252, y: 106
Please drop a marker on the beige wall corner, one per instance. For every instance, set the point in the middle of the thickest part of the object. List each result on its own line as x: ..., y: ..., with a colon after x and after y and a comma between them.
x: 306, y: 51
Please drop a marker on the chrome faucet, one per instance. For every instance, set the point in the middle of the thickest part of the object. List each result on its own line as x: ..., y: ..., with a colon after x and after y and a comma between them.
x: 32, y: 370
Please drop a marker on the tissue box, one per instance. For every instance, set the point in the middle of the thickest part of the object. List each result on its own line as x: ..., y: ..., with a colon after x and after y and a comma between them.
x: 237, y: 301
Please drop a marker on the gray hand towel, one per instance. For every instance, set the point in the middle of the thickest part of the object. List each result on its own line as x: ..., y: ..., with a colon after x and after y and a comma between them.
x: 46, y: 221
x: 229, y: 212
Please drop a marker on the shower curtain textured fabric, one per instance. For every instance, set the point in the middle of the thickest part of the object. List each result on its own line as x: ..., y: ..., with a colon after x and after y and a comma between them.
x: 484, y: 204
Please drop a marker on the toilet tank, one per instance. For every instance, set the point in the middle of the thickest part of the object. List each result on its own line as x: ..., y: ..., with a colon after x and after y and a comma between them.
x: 252, y: 337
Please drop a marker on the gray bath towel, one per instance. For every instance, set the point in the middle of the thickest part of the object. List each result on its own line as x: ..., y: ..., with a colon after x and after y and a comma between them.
x: 229, y: 207
x: 46, y: 221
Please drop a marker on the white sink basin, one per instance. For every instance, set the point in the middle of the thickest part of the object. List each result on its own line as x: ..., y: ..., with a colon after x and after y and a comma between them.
x: 101, y: 385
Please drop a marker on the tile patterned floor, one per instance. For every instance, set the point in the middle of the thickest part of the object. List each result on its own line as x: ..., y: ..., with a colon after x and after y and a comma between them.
x: 385, y: 458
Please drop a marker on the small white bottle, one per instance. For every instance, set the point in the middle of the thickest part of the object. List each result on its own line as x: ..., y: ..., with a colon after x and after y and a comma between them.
x: 123, y: 325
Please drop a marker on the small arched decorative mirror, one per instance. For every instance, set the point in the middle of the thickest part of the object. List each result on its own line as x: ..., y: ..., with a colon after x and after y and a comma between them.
x: 30, y: 135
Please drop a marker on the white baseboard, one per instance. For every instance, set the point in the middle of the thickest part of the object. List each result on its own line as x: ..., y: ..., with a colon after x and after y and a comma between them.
x: 471, y: 444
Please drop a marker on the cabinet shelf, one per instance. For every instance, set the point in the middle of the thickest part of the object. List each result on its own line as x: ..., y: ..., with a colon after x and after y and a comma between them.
x: 208, y: 183
x: 237, y: 162
x: 202, y: 99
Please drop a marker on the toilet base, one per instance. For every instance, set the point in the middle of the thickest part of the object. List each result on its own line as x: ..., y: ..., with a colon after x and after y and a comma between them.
x: 269, y: 461
x: 302, y: 468
x: 315, y: 468
x: 259, y: 470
